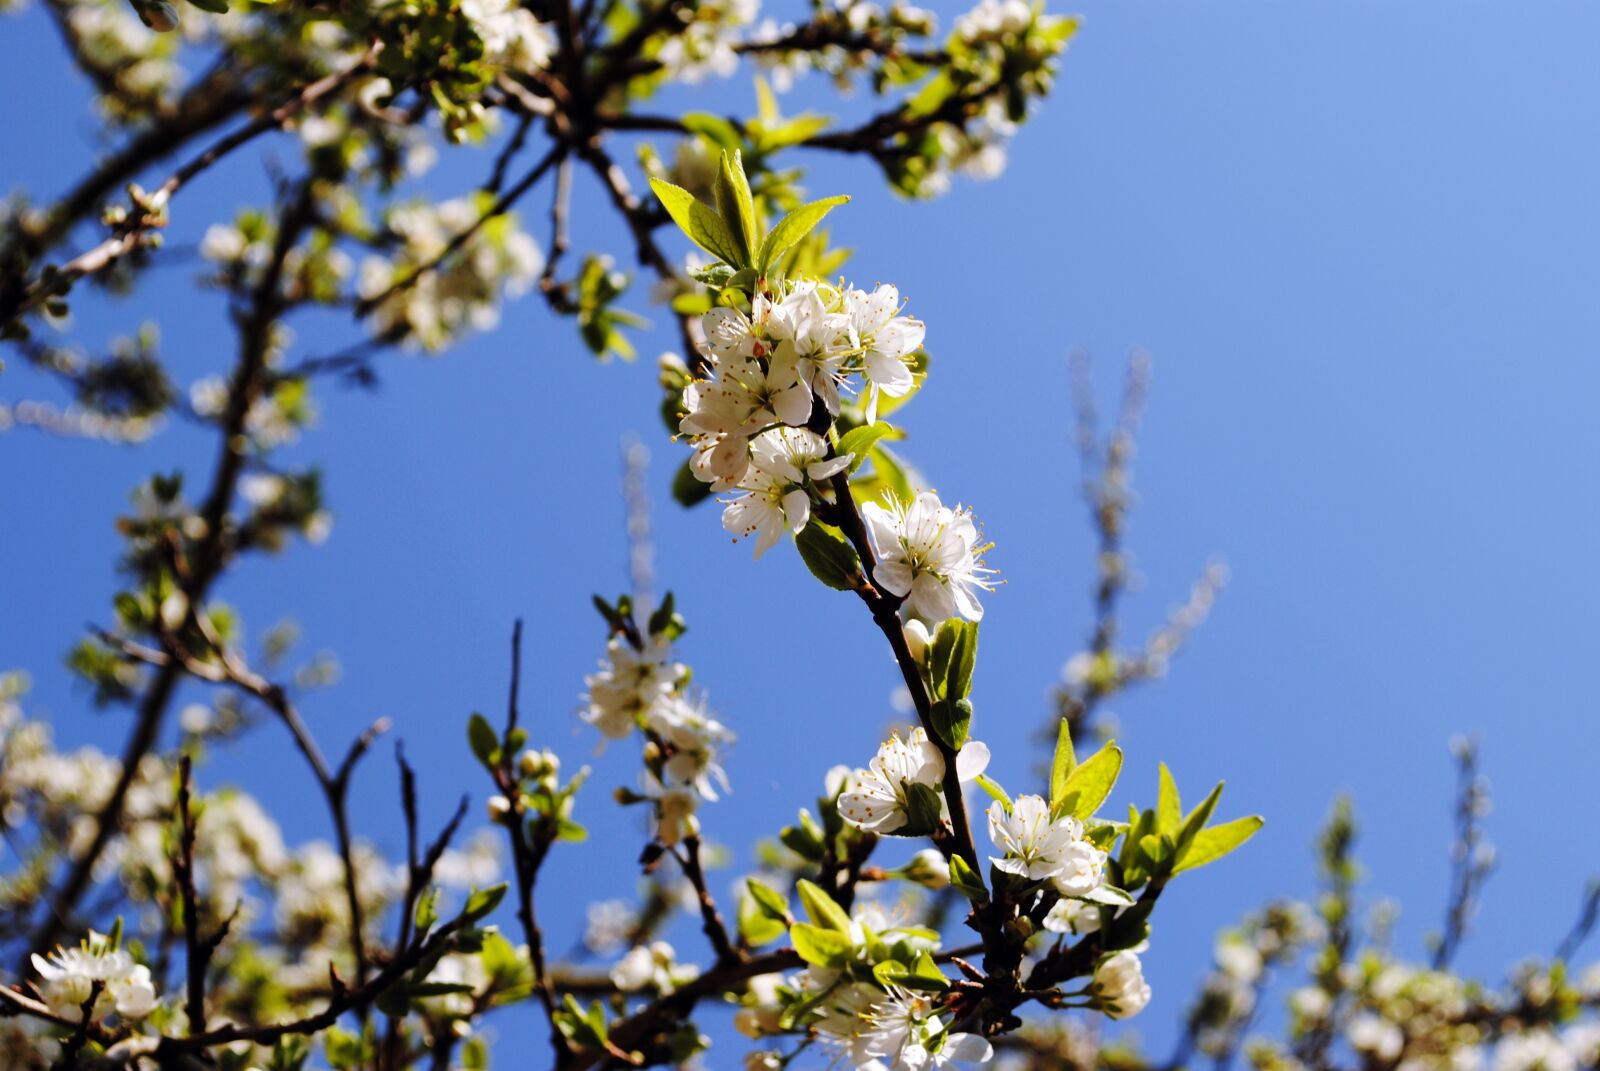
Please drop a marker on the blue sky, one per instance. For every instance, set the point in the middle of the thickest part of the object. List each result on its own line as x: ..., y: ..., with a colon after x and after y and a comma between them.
x: 1359, y: 242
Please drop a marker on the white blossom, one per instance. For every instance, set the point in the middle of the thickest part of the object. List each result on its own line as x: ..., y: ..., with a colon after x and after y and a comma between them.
x: 693, y: 738
x: 628, y: 686
x: 879, y: 795
x: 1037, y: 848
x: 905, y: 1034
x: 68, y: 978
x: 1077, y: 917
x: 1119, y: 985
x: 653, y: 967
x: 886, y: 341
x: 929, y: 555
x: 1376, y: 1037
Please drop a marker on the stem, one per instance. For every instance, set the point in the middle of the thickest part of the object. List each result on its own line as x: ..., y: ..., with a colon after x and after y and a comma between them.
x: 885, y: 614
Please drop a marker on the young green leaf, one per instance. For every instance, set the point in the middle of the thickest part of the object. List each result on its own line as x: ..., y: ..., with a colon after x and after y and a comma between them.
x: 951, y: 721
x: 964, y: 878
x: 1197, y: 819
x: 954, y: 655
x: 735, y: 205
x: 483, y: 901
x: 1212, y: 844
x: 1169, y: 808
x: 770, y: 901
x: 820, y: 947
x: 483, y: 739
x: 830, y: 559
x: 1065, y: 761
x: 792, y: 228
x: 1087, y: 787
x: 699, y: 221
x: 859, y: 441
x: 821, y: 908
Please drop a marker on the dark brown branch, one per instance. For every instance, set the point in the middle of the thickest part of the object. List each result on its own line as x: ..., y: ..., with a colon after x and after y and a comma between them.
x: 149, y: 211
x: 204, y: 563
x: 711, y: 920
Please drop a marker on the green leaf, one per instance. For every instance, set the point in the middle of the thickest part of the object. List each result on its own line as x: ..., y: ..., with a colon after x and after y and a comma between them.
x: 1087, y: 787
x: 771, y: 902
x: 756, y: 926
x: 830, y: 559
x: 792, y: 228
x: 927, y: 972
x: 890, y: 973
x: 951, y: 721
x: 688, y: 489
x: 1197, y: 819
x: 954, y: 655
x: 483, y: 901
x: 699, y: 221
x: 735, y: 205
x: 859, y: 441
x: 963, y: 877
x: 924, y: 811
x: 1212, y: 844
x: 801, y: 841
x: 1061, y: 767
x: 1169, y: 809
x: 821, y: 907
x: 427, y: 912
x: 662, y: 616
x: 820, y: 947
x: 485, y: 742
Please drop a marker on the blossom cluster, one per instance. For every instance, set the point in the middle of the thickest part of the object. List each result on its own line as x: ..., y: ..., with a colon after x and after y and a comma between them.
x: 428, y: 302
x: 775, y: 371
x: 640, y: 688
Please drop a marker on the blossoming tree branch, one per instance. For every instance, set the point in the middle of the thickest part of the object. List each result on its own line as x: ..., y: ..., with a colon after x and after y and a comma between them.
x: 149, y: 919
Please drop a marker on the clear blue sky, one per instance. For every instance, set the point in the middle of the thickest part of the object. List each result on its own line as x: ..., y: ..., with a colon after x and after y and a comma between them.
x: 1360, y: 242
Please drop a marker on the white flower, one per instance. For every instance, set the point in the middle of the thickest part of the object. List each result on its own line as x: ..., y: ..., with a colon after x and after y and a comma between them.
x: 651, y: 967
x: 511, y: 36
x: 1378, y: 1037
x: 1238, y: 959
x: 796, y: 454
x: 1077, y: 917
x: 905, y: 1034
x: 629, y: 685
x: 1037, y: 848
x: 1310, y: 1002
x: 807, y: 332
x: 68, y: 977
x: 1119, y: 985
x: 766, y: 509
x: 929, y: 555
x: 692, y: 737
x: 878, y: 797
x: 886, y: 340
x: 774, y: 498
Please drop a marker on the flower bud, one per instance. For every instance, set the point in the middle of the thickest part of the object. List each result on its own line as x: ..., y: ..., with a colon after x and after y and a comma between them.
x: 499, y: 807
x: 929, y: 869
x: 917, y: 639
x: 1119, y: 986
